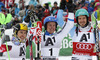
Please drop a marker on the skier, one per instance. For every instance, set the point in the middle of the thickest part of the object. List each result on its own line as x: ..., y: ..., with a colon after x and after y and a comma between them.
x: 83, y: 39
x: 51, y: 42
x: 17, y: 44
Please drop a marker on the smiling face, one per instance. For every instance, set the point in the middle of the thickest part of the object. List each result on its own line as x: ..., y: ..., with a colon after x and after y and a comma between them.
x: 51, y: 26
x: 82, y: 20
x: 22, y: 34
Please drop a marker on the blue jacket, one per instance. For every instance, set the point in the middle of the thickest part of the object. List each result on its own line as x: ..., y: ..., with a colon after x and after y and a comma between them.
x: 33, y: 2
x: 17, y: 11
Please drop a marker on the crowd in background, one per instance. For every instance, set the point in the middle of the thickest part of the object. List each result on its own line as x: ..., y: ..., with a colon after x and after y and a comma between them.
x: 19, y: 12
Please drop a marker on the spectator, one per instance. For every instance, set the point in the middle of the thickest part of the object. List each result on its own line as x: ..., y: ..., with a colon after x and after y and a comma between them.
x: 54, y: 8
x: 13, y: 22
x: 41, y: 10
x: 16, y: 9
x: 21, y: 4
x: 37, y: 13
x: 97, y: 12
x: 13, y: 12
x: 46, y: 13
x: 86, y: 5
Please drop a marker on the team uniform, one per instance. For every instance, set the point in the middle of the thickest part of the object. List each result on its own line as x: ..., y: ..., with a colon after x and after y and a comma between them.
x: 51, y: 43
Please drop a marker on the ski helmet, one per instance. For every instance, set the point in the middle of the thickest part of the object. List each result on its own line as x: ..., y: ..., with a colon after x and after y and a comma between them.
x: 20, y: 26
x: 80, y: 12
x: 49, y: 19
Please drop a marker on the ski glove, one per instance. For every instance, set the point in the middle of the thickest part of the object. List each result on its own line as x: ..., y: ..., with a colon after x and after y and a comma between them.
x: 60, y: 20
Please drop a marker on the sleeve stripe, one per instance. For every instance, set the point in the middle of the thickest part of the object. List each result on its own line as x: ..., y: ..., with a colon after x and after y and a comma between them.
x: 70, y: 19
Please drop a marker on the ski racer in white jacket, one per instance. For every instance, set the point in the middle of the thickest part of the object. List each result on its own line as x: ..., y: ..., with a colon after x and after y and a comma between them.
x: 16, y: 46
x: 51, y: 40
x: 83, y: 40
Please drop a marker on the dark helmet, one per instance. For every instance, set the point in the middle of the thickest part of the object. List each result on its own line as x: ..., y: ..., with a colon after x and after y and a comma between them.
x: 20, y: 26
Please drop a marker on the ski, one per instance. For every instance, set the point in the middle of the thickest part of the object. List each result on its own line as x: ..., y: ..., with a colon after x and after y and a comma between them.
x: 96, y: 33
x: 38, y: 56
x: 35, y: 33
x: 30, y: 47
x: 38, y: 41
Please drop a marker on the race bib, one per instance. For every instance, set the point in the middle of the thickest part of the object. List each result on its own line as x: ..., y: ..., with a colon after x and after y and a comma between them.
x: 83, y: 48
x: 48, y: 52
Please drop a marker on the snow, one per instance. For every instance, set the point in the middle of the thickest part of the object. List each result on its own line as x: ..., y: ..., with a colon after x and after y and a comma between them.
x: 60, y: 58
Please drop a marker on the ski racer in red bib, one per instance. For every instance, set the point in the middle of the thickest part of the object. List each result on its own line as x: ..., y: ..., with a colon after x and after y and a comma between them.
x: 83, y: 39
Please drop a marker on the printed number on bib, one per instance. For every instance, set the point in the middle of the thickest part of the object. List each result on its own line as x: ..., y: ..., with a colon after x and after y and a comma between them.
x: 51, y: 51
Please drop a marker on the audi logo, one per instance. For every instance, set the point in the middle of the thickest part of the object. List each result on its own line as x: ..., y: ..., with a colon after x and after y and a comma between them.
x: 83, y: 46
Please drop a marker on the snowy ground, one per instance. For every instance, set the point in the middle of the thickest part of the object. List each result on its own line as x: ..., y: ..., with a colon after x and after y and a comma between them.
x: 60, y: 58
